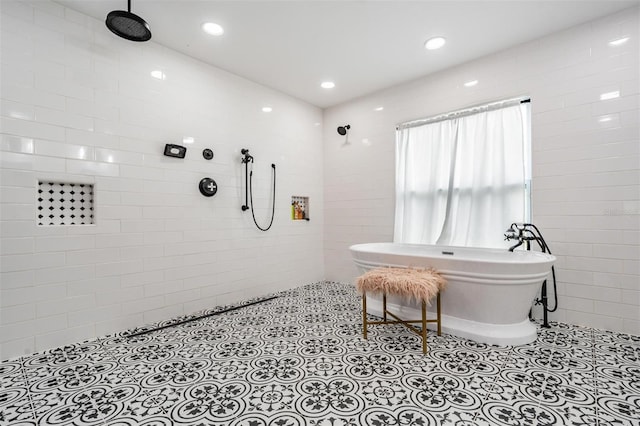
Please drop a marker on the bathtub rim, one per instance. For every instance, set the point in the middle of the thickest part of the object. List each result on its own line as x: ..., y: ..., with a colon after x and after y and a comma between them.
x: 469, y: 277
x: 506, y: 257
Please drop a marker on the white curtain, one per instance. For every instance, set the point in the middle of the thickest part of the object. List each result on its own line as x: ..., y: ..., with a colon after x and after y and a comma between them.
x: 463, y: 181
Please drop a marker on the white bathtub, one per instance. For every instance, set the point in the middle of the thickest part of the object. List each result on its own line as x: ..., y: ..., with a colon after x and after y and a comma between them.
x: 489, y: 292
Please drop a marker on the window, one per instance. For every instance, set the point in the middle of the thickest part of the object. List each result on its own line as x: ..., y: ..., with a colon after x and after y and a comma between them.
x: 463, y: 178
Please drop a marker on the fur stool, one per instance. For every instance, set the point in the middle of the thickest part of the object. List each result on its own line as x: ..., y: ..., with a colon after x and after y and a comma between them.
x: 421, y: 285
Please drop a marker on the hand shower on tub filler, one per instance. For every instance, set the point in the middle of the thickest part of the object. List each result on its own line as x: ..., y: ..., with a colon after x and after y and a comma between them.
x: 248, y: 189
x: 524, y: 233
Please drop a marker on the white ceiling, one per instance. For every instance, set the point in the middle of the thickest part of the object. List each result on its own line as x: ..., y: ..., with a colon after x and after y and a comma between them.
x: 362, y: 46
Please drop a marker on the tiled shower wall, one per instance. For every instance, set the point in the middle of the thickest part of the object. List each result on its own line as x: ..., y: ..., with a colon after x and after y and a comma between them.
x: 586, y: 166
x: 79, y: 105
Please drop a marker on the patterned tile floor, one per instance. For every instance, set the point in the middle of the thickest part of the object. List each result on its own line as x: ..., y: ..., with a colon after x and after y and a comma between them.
x: 299, y: 359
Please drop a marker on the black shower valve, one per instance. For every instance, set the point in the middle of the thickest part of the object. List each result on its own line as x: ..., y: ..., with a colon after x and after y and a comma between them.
x: 208, y: 187
x: 207, y: 154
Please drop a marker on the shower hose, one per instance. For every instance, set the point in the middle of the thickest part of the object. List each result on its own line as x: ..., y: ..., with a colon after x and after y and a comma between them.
x: 273, y: 200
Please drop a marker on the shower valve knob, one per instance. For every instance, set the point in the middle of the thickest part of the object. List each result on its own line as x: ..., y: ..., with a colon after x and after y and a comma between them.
x: 208, y: 187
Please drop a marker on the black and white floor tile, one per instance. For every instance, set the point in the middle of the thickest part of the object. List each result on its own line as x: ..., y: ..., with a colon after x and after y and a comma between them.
x: 299, y: 360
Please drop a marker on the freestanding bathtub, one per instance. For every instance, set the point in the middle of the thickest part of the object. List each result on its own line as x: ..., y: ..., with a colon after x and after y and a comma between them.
x: 489, y: 291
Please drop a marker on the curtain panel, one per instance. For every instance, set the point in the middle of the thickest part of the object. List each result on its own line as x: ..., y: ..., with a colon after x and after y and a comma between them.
x: 463, y: 181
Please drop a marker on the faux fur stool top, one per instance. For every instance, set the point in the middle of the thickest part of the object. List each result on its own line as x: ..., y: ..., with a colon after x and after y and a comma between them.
x: 418, y: 284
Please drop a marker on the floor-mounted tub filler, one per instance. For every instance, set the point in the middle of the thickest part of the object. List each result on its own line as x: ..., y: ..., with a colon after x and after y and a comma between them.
x: 489, y: 292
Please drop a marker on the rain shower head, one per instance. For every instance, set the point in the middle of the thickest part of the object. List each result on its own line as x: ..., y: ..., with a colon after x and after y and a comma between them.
x: 342, y: 130
x: 128, y: 25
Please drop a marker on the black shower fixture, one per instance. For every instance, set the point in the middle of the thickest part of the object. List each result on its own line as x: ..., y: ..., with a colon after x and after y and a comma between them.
x: 207, y: 153
x: 524, y: 233
x: 342, y: 130
x: 128, y: 25
x: 248, y: 189
x: 247, y: 157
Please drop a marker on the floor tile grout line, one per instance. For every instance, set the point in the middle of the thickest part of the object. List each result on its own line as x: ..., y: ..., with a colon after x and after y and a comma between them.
x: 595, y: 374
x: 493, y: 384
x: 546, y: 372
x: 85, y: 387
x: 127, y: 373
x: 26, y: 382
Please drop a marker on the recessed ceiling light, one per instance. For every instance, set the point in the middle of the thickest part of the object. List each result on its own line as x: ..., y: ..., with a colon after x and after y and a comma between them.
x: 267, y: 109
x: 158, y: 74
x: 434, y: 43
x: 188, y: 140
x: 327, y: 85
x: 619, y: 41
x: 212, y: 28
x: 380, y: 108
x: 605, y: 118
x: 610, y: 95
x: 471, y: 83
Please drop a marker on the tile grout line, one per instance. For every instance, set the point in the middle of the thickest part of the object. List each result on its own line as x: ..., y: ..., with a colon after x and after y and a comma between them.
x: 595, y: 374
x: 547, y: 370
x: 493, y: 385
x: 126, y: 372
x: 26, y: 382
x: 86, y: 387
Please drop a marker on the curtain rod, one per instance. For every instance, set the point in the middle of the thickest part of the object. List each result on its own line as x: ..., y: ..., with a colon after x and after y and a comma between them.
x: 464, y: 112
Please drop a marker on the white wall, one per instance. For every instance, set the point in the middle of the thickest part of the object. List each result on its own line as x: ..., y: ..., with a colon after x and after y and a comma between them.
x: 79, y: 104
x: 586, y: 171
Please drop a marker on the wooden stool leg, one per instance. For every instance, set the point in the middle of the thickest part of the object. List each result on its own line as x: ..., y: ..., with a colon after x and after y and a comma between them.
x: 439, y: 316
x: 424, y: 327
x: 384, y: 307
x: 364, y: 314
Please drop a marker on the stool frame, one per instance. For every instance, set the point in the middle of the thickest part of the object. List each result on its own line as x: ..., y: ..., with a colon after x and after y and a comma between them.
x: 422, y: 332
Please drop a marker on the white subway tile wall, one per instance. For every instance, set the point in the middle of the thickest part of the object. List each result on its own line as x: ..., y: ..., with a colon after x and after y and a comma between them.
x: 78, y: 104
x: 586, y: 164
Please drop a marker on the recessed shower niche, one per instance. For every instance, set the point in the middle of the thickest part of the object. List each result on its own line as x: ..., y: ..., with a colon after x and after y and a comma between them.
x: 64, y: 203
x: 299, y: 208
